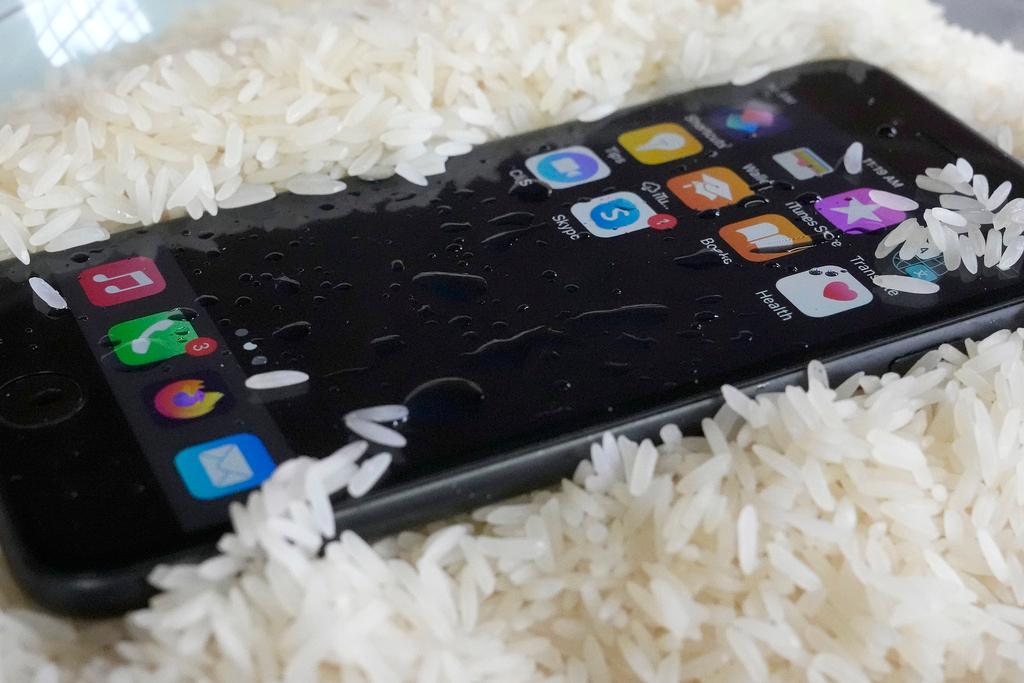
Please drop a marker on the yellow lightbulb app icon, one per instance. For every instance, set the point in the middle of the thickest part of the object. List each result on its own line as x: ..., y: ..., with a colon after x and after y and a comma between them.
x: 660, y: 143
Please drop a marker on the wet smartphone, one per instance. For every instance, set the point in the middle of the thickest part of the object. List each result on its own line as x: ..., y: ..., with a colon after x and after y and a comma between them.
x: 548, y: 287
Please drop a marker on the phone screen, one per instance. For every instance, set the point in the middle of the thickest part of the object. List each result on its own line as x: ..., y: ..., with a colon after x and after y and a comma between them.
x: 546, y: 284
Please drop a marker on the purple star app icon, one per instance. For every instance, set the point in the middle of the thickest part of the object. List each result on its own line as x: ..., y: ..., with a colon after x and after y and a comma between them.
x: 854, y: 212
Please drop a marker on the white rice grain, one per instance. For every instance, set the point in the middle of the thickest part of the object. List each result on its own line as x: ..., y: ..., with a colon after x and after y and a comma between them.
x: 853, y: 159
x: 275, y: 379
x: 247, y: 195
x: 1012, y: 254
x: 314, y: 185
x: 13, y: 240
x: 642, y: 472
x: 54, y: 227
x: 77, y: 237
x: 45, y: 291
x: 747, y: 539
x: 993, y: 249
x: 933, y: 185
x: 904, y: 283
x: 374, y: 432
x: 893, y: 201
x: 369, y: 474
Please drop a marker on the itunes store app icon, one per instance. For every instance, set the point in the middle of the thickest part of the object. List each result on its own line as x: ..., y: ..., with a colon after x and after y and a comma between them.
x: 122, y: 281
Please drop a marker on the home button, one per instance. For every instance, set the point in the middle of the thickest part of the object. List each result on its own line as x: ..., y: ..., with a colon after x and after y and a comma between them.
x: 41, y: 399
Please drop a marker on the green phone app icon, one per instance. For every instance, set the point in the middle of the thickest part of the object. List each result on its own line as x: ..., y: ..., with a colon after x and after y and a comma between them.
x: 152, y: 338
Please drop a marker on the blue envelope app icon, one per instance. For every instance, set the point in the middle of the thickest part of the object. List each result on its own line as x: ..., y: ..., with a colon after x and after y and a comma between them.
x: 219, y: 468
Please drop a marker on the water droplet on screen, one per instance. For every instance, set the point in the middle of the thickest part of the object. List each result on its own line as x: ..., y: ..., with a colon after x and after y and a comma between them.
x: 283, y: 283
x: 184, y: 313
x: 549, y: 275
x: 453, y: 286
x: 616, y: 368
x: 699, y: 260
x: 505, y: 239
x: 207, y: 300
x: 809, y: 198
x: 388, y: 344
x: 529, y: 190
x: 445, y: 399
x: 274, y: 256
x: 709, y: 299
x: 705, y: 316
x: 80, y: 257
x: 755, y: 201
x: 456, y: 226
x: 514, y: 218
x: 294, y: 331
x: 709, y: 214
x: 888, y: 131
x: 259, y: 360
x: 743, y: 336
x: 243, y: 301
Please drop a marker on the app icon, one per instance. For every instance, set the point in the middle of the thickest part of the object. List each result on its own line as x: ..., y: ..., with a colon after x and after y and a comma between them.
x: 824, y: 291
x: 224, y: 466
x: 927, y: 265
x: 802, y: 163
x: 754, y: 118
x: 765, y: 237
x: 188, y: 399
x: 711, y: 188
x: 660, y: 143
x: 615, y: 214
x: 855, y: 212
x: 152, y: 338
x: 568, y: 167
x: 121, y: 281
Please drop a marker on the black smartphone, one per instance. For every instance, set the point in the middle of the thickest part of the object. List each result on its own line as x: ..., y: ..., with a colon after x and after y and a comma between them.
x: 588, y: 277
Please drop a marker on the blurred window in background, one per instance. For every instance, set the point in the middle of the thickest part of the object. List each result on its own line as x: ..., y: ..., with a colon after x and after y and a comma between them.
x: 70, y: 30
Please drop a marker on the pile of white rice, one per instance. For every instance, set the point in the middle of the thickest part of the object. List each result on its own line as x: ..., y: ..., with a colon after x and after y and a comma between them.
x: 870, y: 531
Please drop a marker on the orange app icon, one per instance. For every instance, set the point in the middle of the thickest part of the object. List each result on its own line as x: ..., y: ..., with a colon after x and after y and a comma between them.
x: 765, y: 237
x: 710, y: 188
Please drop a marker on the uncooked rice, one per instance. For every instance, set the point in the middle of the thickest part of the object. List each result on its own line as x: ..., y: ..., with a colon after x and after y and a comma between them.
x: 868, y: 531
x: 275, y: 379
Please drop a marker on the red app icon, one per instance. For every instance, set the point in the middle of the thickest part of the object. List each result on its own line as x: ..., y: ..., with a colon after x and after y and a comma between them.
x: 122, y: 281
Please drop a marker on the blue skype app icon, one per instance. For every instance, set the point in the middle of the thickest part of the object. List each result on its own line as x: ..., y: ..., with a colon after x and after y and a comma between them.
x: 614, y: 214
x: 568, y: 167
x: 224, y: 466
